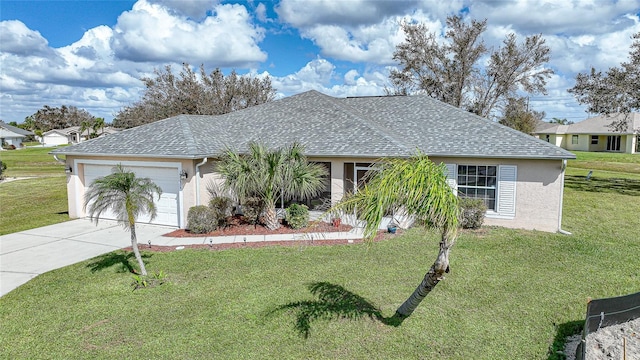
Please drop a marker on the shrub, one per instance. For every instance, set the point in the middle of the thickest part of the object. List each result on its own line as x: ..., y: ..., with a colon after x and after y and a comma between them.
x: 220, y: 207
x: 471, y: 213
x: 200, y: 220
x: 297, y: 216
x: 252, y: 209
x: 3, y: 167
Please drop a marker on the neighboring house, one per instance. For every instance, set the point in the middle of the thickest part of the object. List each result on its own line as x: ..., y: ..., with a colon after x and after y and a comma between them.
x: 11, y: 135
x: 594, y: 134
x: 72, y: 135
x: 520, y: 177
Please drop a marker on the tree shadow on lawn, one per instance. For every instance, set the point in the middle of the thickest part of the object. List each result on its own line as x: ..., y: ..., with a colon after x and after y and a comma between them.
x: 556, y: 350
x: 611, y: 185
x: 334, y: 303
x: 125, y: 260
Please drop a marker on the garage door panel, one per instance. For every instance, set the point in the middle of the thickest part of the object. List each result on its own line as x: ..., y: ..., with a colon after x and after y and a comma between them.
x: 166, y: 178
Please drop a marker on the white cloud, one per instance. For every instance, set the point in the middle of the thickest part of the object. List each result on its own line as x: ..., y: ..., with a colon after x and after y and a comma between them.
x: 557, y: 16
x: 368, y: 43
x: 151, y: 32
x: 307, y: 13
x: 195, y: 9
x: 16, y: 38
x: 320, y: 75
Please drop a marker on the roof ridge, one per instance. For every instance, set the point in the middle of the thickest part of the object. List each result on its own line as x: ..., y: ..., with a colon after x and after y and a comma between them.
x: 371, y: 123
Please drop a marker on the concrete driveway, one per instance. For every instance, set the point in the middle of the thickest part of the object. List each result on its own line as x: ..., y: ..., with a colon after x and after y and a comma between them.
x: 29, y: 253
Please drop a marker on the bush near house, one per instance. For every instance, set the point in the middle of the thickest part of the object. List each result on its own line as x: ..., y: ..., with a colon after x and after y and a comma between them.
x: 221, y: 207
x: 252, y: 209
x: 471, y: 213
x: 297, y: 216
x: 200, y: 220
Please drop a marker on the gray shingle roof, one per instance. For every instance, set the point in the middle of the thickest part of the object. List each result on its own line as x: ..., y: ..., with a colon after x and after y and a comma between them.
x: 364, y: 127
x: 15, y: 130
x: 598, y: 125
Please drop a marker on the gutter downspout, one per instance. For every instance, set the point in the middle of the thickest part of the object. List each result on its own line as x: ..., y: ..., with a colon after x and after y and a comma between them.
x: 55, y: 156
x: 198, y: 179
x: 564, y: 232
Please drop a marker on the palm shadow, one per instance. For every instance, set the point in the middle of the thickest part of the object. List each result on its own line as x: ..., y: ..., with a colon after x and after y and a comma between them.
x: 334, y: 303
x: 609, y: 185
x: 124, y: 261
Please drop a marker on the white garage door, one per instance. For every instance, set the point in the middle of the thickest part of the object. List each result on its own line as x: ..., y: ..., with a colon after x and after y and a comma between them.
x: 168, y: 180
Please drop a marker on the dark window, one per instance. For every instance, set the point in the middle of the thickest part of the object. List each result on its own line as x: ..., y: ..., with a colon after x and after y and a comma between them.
x: 478, y: 182
x: 613, y: 143
x: 594, y: 139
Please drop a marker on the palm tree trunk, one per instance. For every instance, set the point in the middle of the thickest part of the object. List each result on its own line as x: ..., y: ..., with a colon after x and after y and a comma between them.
x: 271, y: 217
x: 136, y: 251
x: 431, y: 278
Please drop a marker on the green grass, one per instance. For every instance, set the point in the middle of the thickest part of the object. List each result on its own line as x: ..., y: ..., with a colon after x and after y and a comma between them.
x: 35, y: 202
x: 31, y: 203
x: 31, y: 161
x: 607, y: 162
x: 511, y: 294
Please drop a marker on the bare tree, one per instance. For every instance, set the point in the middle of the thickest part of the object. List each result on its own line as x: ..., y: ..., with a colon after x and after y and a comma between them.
x: 191, y: 92
x: 616, y: 91
x: 517, y: 115
x: 49, y: 118
x: 450, y: 71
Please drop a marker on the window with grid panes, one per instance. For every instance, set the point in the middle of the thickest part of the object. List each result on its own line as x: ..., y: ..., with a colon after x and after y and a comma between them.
x: 478, y: 182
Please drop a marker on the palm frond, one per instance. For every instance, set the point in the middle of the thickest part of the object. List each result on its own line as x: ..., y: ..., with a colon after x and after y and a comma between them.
x: 416, y: 184
x: 122, y: 193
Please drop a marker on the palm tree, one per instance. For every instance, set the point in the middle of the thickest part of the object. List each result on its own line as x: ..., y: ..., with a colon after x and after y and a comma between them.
x: 419, y: 187
x: 98, y: 123
x: 127, y: 196
x: 271, y: 174
x: 85, y: 126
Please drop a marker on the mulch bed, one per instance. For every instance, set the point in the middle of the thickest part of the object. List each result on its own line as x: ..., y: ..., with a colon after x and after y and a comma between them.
x: 238, y: 227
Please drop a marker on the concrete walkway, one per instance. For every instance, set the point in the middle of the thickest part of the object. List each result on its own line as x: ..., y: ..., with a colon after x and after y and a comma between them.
x: 29, y: 253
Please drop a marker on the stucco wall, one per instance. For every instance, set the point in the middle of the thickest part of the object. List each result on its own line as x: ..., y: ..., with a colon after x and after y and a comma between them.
x: 538, y: 192
x: 538, y: 189
x: 582, y: 145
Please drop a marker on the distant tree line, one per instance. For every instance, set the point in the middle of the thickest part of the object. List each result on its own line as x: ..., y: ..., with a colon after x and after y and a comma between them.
x: 615, y: 91
x: 196, y: 93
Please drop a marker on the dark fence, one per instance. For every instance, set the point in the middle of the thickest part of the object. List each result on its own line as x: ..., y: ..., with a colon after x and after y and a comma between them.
x: 607, y: 312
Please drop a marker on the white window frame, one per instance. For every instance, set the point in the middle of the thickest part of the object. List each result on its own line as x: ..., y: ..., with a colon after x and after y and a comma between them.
x: 506, y: 182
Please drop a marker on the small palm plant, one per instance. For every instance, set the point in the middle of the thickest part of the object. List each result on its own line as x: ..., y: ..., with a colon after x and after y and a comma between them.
x: 127, y: 196
x: 270, y: 174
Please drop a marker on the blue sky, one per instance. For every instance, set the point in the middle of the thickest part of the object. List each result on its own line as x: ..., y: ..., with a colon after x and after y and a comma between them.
x: 91, y: 54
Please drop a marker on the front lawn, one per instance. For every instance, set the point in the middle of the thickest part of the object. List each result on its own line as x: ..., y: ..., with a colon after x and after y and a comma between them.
x: 37, y: 201
x: 606, y: 163
x: 31, y: 161
x: 31, y: 203
x: 509, y: 295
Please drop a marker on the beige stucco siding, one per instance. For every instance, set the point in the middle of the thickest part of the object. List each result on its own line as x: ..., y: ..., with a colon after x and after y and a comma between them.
x: 583, y: 142
x: 538, y: 192
x: 538, y: 189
